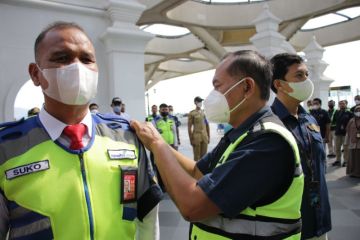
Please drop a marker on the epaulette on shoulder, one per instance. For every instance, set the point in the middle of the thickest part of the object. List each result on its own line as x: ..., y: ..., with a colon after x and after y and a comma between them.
x: 112, y: 120
x: 9, y: 130
x: 11, y: 124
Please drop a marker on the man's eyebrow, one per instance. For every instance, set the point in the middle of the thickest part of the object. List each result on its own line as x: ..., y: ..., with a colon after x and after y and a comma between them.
x: 60, y: 52
x: 301, y: 71
x: 88, y: 54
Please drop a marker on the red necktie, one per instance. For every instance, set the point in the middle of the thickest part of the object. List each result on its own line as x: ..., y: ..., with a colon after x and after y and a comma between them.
x: 75, y: 133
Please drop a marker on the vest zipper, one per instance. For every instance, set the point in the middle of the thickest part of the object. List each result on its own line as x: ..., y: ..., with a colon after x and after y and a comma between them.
x: 87, y: 195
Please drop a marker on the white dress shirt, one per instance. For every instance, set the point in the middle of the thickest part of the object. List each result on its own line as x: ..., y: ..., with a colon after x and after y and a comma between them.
x: 55, y: 127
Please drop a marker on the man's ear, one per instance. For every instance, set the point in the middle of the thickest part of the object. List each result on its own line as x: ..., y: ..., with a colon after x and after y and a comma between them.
x: 282, y: 86
x: 277, y: 84
x: 249, y: 86
x: 34, y: 73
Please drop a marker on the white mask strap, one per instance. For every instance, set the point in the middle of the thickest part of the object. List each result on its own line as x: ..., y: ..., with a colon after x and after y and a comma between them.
x: 241, y: 102
x: 234, y: 86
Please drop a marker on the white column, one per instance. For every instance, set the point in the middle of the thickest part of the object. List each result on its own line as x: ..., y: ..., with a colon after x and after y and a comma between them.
x: 314, y: 54
x: 125, y: 45
x: 267, y: 40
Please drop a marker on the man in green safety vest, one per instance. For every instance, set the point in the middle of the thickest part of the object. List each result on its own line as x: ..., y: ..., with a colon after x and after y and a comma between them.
x: 153, y: 115
x: 250, y: 186
x: 67, y: 173
x: 166, y: 126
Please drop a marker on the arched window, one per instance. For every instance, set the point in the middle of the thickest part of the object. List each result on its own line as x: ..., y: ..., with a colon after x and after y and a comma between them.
x: 29, y: 96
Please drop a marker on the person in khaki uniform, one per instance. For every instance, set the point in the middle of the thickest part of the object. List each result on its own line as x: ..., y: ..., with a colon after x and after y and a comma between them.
x: 198, y: 128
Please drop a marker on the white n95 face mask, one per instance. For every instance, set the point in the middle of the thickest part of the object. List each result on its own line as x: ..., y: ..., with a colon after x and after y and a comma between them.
x: 216, y: 106
x: 73, y: 84
x: 301, y: 90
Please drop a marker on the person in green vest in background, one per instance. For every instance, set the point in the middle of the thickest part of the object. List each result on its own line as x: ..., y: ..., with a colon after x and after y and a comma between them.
x: 153, y: 115
x: 166, y: 126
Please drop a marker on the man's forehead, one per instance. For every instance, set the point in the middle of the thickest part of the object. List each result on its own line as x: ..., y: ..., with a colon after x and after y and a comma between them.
x: 63, y: 38
x: 298, y: 67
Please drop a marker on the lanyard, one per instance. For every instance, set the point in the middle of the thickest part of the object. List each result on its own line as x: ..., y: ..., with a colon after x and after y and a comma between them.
x: 305, y: 152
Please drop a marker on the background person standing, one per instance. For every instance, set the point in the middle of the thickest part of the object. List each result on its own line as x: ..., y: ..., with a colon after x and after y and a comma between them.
x: 153, y: 115
x: 322, y: 118
x: 198, y: 130
x: 341, y: 117
x: 353, y: 141
x: 166, y: 126
x: 292, y: 86
x: 357, y: 103
x: 177, y: 125
x: 331, y: 143
x: 116, y: 105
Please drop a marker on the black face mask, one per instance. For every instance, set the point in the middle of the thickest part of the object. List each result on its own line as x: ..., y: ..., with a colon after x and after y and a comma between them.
x: 164, y: 114
x: 331, y: 106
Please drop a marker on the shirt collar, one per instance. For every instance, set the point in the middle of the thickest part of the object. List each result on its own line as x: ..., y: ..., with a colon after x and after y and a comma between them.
x: 55, y: 127
x: 281, y: 111
x: 234, y: 134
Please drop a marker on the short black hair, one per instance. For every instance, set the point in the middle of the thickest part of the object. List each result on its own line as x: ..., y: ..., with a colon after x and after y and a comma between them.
x: 93, y: 104
x: 116, y: 100
x: 317, y: 99
x: 248, y: 63
x: 52, y: 26
x: 280, y: 65
x: 163, y: 105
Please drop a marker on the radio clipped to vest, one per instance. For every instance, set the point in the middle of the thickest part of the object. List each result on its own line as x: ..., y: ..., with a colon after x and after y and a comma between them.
x: 128, y: 184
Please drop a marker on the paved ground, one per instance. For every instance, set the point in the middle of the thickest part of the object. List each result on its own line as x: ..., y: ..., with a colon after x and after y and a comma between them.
x: 344, y: 198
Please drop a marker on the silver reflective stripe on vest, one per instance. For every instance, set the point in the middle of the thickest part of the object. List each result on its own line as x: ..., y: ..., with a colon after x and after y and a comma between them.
x: 16, y: 147
x: 18, y: 212
x: 118, y: 134
x: 298, y: 170
x: 30, y: 228
x: 251, y: 227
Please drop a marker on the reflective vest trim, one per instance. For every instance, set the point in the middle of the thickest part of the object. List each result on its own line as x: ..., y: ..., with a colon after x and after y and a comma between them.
x: 277, y: 220
x: 89, y: 181
x: 220, y: 234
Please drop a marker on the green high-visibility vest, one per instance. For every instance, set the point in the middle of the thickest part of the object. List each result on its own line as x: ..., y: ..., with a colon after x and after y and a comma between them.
x: 280, y: 219
x: 149, y: 118
x: 77, y: 196
x: 166, y: 129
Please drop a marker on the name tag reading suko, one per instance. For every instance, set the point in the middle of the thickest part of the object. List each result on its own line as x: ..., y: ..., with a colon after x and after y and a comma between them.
x: 27, y: 169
